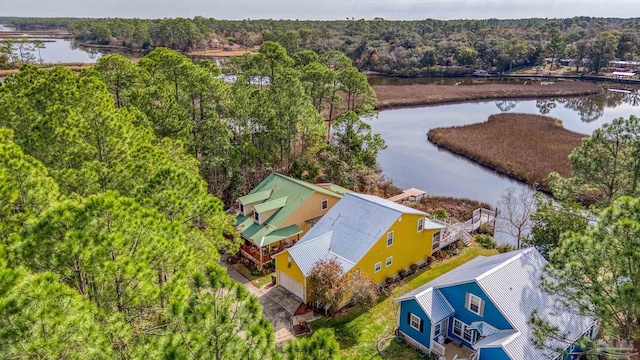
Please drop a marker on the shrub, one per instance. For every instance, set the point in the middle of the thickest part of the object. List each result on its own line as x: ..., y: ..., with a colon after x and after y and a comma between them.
x: 505, y: 248
x: 414, y: 268
x: 430, y: 259
x: 440, y: 214
x: 486, y: 229
x: 365, y: 292
x: 460, y: 245
x: 402, y: 273
x: 486, y: 241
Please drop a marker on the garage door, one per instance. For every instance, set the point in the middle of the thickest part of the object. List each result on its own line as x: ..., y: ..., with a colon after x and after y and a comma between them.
x: 289, y: 283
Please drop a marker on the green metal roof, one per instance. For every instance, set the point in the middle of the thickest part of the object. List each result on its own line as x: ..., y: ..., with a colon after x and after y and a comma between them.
x: 280, y: 234
x: 255, y: 197
x: 271, y: 205
x: 294, y: 192
x: 335, y: 188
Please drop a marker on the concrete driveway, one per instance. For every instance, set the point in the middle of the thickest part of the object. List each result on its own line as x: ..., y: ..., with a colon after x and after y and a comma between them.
x: 278, y: 305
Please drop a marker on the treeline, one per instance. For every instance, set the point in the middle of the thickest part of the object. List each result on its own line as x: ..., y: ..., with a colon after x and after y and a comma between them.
x: 109, y: 231
x: 404, y: 48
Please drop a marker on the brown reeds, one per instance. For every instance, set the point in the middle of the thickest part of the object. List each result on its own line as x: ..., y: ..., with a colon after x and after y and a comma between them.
x: 393, y: 96
x: 523, y: 146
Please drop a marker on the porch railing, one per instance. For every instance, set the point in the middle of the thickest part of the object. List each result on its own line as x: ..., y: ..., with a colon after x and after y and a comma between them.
x: 437, y: 348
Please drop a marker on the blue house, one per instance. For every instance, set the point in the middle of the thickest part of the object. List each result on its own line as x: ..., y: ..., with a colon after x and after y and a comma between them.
x: 485, y: 305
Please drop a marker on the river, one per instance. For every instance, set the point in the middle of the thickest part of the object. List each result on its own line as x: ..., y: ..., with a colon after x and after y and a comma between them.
x: 410, y: 160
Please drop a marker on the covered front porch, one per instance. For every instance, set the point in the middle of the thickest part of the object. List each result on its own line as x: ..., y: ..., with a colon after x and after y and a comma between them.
x: 271, y: 244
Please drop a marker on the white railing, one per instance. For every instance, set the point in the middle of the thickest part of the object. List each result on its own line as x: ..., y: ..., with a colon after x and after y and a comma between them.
x: 437, y: 348
x: 462, y: 231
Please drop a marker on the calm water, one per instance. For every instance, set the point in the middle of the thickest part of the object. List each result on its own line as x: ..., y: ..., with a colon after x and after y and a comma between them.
x: 63, y: 51
x: 410, y: 160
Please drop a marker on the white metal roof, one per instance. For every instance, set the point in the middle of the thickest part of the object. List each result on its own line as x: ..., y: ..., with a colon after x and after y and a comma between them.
x: 348, y: 231
x: 622, y: 73
x: 435, y: 305
x: 511, y: 281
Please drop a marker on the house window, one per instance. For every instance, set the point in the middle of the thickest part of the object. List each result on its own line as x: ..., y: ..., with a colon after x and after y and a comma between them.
x: 474, y: 304
x: 468, y: 335
x: 256, y: 216
x: 415, y: 322
x: 436, y: 241
x: 390, y: 238
x: 242, y: 208
x: 420, y: 224
x: 377, y: 266
x: 325, y: 204
x: 460, y: 330
x: 458, y: 327
x: 389, y: 261
x: 437, y: 330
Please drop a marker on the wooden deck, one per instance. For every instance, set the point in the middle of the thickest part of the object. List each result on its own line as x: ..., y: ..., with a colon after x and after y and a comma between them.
x: 412, y: 194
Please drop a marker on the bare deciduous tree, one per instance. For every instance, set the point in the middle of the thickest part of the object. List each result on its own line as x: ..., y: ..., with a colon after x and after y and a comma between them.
x: 516, y: 209
x: 327, y: 284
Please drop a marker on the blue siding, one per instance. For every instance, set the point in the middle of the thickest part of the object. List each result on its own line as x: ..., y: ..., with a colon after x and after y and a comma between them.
x: 456, y: 297
x: 496, y: 353
x: 412, y: 306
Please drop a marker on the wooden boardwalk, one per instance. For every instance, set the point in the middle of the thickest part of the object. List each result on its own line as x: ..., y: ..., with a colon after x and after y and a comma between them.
x: 462, y: 231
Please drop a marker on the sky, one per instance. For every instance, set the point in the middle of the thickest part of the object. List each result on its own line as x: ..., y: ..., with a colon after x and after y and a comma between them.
x: 322, y: 9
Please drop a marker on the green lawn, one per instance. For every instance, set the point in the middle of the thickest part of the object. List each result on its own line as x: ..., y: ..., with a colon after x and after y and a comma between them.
x: 358, y: 332
x: 259, y: 280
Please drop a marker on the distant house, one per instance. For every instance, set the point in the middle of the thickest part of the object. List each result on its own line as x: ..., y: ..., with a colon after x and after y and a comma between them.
x: 485, y: 305
x: 232, y: 47
x: 367, y: 235
x: 277, y: 212
x: 481, y: 72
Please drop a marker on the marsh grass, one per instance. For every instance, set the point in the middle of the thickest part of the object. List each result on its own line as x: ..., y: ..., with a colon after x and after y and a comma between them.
x: 523, y: 146
x: 393, y: 96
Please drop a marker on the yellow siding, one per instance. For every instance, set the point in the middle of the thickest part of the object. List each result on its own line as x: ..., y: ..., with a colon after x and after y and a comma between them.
x: 311, y: 208
x: 409, y: 247
x: 282, y: 264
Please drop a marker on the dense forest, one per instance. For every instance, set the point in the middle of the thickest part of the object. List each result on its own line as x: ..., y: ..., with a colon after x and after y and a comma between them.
x: 404, y: 48
x: 111, y: 224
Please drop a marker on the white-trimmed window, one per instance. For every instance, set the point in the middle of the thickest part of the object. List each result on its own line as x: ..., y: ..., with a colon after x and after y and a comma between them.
x: 390, y: 238
x: 325, y: 204
x: 436, y: 240
x: 415, y: 322
x: 437, y: 329
x: 420, y: 224
x: 389, y: 261
x: 242, y: 208
x: 475, y: 304
x: 468, y: 335
x: 458, y: 327
x: 256, y: 216
x: 377, y: 267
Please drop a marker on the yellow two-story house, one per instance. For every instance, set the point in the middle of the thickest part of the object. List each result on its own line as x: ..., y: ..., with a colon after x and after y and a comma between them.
x: 367, y: 235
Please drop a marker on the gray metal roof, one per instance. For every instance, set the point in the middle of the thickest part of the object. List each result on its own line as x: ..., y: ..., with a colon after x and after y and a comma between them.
x: 513, y: 288
x: 352, y: 226
x: 435, y: 305
x: 390, y: 204
x: 511, y: 281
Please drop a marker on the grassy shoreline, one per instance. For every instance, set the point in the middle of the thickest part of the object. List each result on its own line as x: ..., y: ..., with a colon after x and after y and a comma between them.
x: 398, y: 96
x: 521, y: 146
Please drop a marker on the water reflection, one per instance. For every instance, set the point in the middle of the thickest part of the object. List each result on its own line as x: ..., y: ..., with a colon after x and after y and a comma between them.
x: 506, y: 105
x: 588, y: 108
